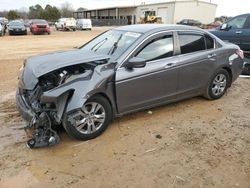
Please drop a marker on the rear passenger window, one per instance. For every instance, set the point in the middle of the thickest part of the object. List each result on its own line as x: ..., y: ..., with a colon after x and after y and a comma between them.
x: 191, y: 43
x: 209, y: 42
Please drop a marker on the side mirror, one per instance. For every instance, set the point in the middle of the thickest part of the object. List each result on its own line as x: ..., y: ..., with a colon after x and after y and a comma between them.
x: 135, y: 62
x: 224, y: 26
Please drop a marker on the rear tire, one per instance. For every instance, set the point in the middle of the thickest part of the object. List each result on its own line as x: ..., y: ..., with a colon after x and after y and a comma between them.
x: 218, y: 85
x: 90, y: 121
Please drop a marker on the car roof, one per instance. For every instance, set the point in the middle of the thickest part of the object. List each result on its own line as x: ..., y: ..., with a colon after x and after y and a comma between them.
x: 247, y: 14
x: 144, y: 28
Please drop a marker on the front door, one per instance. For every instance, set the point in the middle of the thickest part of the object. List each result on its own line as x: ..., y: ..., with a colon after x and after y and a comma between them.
x: 245, y: 38
x: 156, y: 82
x: 235, y: 31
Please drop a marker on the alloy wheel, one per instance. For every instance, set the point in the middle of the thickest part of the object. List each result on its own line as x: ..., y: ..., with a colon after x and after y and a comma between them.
x: 89, y: 119
x: 219, y: 84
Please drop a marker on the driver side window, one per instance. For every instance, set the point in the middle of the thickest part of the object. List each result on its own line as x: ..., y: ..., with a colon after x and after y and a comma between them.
x: 237, y: 23
x: 158, y: 48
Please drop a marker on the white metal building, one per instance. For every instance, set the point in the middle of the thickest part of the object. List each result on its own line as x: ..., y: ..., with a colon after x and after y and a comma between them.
x: 170, y: 11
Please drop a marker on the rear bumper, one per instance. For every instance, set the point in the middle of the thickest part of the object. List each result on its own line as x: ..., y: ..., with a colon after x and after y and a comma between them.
x: 23, y: 107
x: 246, y: 70
x: 237, y: 68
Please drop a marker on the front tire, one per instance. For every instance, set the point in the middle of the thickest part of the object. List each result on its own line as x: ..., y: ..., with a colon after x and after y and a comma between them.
x: 218, y: 85
x: 90, y: 121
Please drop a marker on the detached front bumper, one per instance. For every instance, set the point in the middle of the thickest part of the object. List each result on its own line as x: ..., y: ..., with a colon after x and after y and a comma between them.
x: 23, y: 107
x: 39, y: 129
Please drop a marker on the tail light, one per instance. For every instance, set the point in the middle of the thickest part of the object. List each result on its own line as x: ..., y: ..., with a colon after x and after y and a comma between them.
x: 240, y: 53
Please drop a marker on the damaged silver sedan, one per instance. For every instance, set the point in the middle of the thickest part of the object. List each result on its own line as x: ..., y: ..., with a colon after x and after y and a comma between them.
x: 121, y: 71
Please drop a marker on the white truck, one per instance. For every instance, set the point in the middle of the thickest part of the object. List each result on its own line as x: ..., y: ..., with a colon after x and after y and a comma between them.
x: 84, y: 24
x: 1, y: 29
x: 3, y: 25
x: 66, y: 24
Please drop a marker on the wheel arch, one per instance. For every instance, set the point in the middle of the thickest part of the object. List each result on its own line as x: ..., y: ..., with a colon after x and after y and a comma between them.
x: 104, y: 95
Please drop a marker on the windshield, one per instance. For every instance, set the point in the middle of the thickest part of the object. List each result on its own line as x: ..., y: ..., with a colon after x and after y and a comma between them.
x: 15, y: 24
x: 112, y: 42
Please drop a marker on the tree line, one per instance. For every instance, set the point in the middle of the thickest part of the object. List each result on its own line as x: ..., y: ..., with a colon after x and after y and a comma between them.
x: 50, y: 13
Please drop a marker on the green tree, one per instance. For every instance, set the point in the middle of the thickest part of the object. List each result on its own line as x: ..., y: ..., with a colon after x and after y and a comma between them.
x: 48, y: 13
x: 12, y: 15
x: 51, y: 13
x: 35, y: 11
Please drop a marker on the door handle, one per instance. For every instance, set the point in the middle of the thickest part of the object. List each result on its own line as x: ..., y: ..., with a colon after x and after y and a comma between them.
x: 170, y: 64
x: 238, y: 32
x: 210, y: 56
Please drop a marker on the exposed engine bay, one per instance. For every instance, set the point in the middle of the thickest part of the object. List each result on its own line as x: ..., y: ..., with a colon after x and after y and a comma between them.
x: 45, y: 116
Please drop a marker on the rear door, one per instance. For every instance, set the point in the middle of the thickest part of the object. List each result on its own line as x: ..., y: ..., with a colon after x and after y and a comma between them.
x: 197, y: 61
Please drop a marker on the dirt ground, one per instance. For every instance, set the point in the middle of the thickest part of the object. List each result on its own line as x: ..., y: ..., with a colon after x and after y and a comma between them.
x: 192, y: 143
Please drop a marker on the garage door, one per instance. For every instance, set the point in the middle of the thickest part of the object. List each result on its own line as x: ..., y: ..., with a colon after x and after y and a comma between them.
x: 162, y: 12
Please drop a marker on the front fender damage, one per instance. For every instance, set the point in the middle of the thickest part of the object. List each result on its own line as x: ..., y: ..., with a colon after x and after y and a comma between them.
x: 64, y: 99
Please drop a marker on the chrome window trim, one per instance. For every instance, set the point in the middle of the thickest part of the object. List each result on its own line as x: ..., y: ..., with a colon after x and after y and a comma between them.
x: 160, y: 32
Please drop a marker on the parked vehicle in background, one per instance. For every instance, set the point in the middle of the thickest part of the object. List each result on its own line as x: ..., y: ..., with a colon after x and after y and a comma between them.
x: 1, y: 29
x: 211, y: 25
x: 4, y: 20
x: 121, y: 71
x: 51, y: 23
x: 237, y: 31
x: 26, y: 22
x: 17, y: 27
x: 39, y: 26
x: 66, y: 24
x: 190, y: 22
x: 84, y: 24
x: 149, y: 17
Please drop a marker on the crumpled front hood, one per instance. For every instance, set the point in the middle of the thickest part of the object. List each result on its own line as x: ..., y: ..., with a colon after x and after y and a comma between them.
x: 39, y: 65
x: 42, y: 64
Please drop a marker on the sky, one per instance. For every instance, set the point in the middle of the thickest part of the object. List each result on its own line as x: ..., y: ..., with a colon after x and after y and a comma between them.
x: 225, y: 7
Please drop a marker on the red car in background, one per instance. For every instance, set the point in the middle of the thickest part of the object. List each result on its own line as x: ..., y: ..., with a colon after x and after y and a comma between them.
x: 39, y: 26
